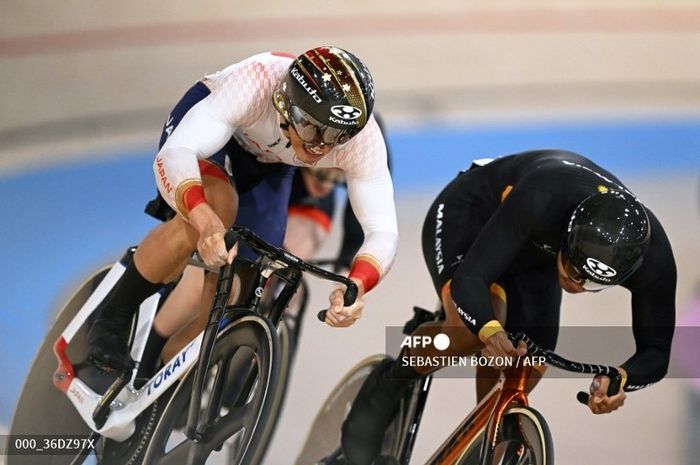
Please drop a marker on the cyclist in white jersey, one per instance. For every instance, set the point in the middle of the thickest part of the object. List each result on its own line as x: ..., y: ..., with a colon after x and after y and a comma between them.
x: 227, y: 156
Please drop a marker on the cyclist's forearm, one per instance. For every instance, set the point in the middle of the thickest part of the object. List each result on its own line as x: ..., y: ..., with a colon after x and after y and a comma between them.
x: 366, y: 271
x: 375, y: 257
x: 471, y: 296
x: 646, y: 367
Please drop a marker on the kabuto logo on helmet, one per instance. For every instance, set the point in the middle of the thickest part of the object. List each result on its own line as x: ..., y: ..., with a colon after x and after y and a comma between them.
x: 300, y: 78
x: 346, y: 112
x: 599, y: 268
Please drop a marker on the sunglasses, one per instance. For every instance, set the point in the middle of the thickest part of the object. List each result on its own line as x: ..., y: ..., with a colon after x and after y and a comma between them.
x: 577, y: 277
x: 313, y: 133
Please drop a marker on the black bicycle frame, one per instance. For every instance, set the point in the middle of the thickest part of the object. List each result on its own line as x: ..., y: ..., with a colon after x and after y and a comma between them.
x: 288, y: 269
x: 421, y: 397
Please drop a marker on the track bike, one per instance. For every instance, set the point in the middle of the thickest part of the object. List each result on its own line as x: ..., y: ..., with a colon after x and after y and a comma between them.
x: 219, y: 389
x: 502, y: 429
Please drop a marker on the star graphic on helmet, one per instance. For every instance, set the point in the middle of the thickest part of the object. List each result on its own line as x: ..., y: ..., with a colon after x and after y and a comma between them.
x: 346, y: 87
x: 326, y: 77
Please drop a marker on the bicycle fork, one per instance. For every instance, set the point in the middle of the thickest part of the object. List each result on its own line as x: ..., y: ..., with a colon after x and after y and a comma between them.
x: 194, y: 431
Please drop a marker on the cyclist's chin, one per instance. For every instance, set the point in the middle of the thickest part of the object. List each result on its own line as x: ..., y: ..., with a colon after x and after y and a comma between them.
x: 570, y: 287
x: 306, y: 156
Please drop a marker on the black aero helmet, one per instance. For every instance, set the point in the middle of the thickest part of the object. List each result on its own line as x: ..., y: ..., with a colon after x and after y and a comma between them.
x: 607, y: 237
x: 327, y: 95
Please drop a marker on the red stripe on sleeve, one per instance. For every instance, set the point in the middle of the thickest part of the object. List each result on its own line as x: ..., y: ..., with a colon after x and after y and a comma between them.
x: 366, y: 272
x: 193, y: 196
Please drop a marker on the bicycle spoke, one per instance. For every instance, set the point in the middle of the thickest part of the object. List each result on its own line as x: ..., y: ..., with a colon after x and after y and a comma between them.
x: 242, y: 369
x: 234, y: 421
x: 185, y: 453
x: 217, y: 393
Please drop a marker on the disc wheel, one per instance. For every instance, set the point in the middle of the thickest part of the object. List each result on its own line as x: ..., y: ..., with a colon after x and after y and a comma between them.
x: 323, y: 439
x: 43, y: 410
x: 236, y: 402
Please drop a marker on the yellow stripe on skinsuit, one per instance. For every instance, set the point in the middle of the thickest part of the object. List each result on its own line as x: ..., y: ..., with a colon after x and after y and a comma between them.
x: 505, y: 192
x: 498, y: 291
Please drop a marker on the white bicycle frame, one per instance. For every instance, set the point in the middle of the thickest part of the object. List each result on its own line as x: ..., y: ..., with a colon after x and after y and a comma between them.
x: 130, y: 402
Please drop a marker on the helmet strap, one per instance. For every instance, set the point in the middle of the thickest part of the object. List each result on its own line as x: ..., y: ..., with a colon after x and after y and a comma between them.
x: 284, y: 125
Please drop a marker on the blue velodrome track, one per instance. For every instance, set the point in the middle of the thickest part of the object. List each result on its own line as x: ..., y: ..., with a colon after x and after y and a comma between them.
x: 58, y: 223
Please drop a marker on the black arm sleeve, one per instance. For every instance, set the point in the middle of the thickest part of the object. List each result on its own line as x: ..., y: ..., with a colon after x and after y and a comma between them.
x: 653, y: 289
x: 495, y: 248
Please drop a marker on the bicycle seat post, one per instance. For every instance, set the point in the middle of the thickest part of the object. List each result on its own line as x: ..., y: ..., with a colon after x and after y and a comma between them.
x: 517, y: 377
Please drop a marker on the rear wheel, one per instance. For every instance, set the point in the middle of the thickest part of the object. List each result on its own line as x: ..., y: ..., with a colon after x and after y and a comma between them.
x: 323, y: 439
x: 237, y: 401
x: 523, y: 439
x: 42, y: 409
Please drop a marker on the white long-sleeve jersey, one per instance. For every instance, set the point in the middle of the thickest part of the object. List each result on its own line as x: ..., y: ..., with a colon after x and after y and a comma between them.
x: 240, y: 106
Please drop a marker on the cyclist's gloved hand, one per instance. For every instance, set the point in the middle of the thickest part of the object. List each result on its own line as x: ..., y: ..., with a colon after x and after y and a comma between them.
x: 339, y: 316
x: 211, y: 245
x: 498, y: 345
x: 599, y: 402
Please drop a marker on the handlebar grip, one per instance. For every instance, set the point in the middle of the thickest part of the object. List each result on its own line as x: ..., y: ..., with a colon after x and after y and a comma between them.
x: 230, y: 239
x: 615, y: 380
x: 350, y: 295
x: 583, y: 397
x: 349, y: 298
x: 613, y: 387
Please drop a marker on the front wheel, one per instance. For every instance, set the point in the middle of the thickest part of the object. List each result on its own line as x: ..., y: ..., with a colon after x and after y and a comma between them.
x: 523, y: 439
x: 237, y: 400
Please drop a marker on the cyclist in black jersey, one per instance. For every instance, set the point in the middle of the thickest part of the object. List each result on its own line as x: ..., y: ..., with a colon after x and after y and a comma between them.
x: 501, y: 241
